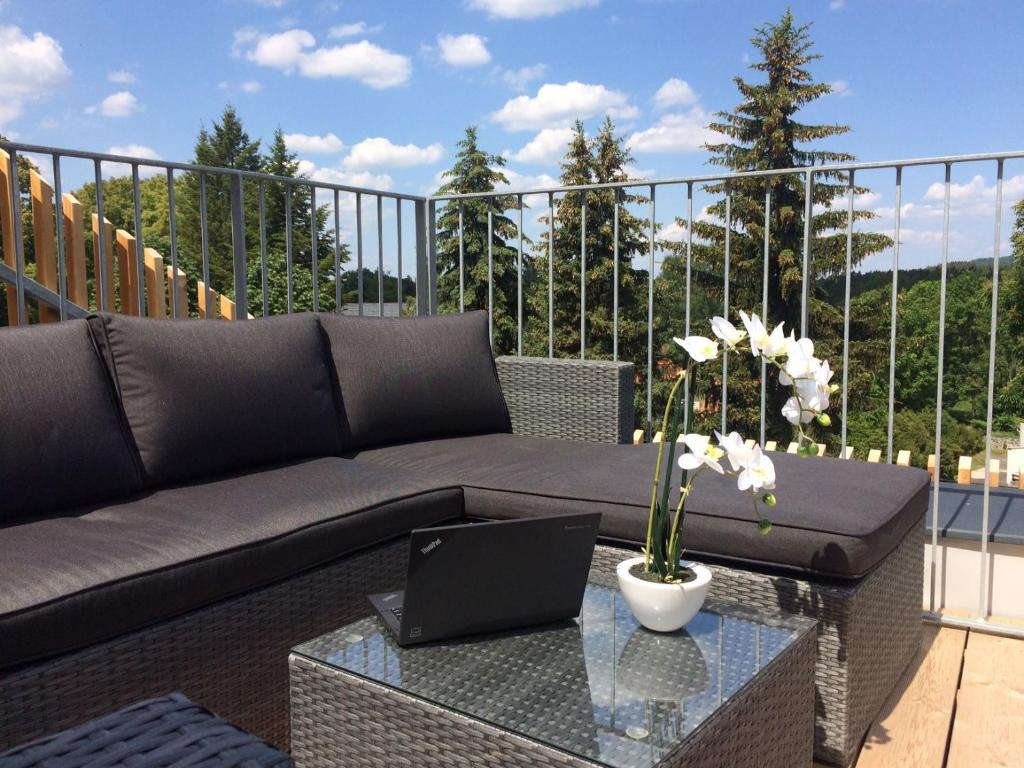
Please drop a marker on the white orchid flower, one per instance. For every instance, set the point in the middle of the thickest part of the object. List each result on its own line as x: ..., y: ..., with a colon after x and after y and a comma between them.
x: 734, y: 448
x: 699, y: 348
x: 701, y: 453
x: 800, y: 361
x: 795, y: 414
x: 727, y: 332
x: 761, y: 341
x: 758, y: 474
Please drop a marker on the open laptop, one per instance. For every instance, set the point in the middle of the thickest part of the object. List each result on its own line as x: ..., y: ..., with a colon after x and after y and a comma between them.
x: 483, y: 577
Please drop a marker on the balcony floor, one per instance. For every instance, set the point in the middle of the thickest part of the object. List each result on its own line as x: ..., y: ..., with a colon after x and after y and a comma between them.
x: 960, y: 705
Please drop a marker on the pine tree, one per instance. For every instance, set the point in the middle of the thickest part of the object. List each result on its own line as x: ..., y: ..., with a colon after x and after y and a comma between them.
x: 763, y: 133
x: 478, y: 171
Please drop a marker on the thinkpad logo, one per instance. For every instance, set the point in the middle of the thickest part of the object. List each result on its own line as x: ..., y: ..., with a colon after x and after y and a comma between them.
x: 431, y: 547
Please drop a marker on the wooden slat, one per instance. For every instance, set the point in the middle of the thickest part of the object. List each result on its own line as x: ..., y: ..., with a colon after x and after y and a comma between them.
x: 74, y: 251
x: 7, y: 229
x: 793, y: 447
x: 821, y: 448
x: 204, y: 311
x: 657, y: 437
x: 993, y: 473
x: 903, y: 458
x: 963, y: 471
x: 874, y: 456
x: 108, y: 261
x: 912, y: 729
x: 41, y: 195
x: 156, y: 291
x: 227, y: 308
x: 848, y: 453
x: 989, y: 726
x: 931, y: 464
x: 128, y: 274
x: 771, y: 445
x: 638, y: 436
x: 182, y: 296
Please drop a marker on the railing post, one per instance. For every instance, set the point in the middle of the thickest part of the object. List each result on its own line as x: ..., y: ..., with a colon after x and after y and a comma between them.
x: 422, y: 261
x: 238, y: 247
x: 432, y: 254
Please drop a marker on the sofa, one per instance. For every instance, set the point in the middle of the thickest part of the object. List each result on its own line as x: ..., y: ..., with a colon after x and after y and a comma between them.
x: 184, y: 501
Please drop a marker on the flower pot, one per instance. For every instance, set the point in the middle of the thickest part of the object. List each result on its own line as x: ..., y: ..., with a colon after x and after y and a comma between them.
x: 659, y: 606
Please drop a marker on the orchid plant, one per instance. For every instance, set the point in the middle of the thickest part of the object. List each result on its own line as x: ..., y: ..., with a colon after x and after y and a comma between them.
x: 809, y: 381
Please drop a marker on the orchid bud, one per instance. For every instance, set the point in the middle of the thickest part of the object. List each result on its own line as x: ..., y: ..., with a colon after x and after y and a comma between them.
x: 764, y: 526
x: 824, y: 419
x: 833, y: 389
x: 769, y: 499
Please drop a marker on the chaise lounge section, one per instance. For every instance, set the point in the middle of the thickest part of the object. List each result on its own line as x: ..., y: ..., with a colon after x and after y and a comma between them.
x: 190, y: 500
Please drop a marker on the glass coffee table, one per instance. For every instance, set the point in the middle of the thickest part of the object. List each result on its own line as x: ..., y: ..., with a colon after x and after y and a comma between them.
x: 734, y: 688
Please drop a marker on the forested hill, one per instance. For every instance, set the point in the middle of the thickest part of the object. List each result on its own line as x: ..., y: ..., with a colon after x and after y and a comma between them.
x: 861, y: 282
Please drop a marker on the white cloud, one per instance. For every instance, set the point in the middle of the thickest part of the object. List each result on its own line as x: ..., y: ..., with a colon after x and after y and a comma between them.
x: 518, y: 79
x: 121, y: 76
x: 30, y: 69
x: 975, y: 197
x: 675, y: 93
x: 463, y: 50
x: 523, y: 181
x: 674, y: 132
x: 120, y: 104
x: 546, y: 147
x: 528, y: 9
x: 835, y: 5
x: 334, y: 175
x: 284, y: 51
x: 379, y: 152
x: 242, y: 38
x: 558, y: 104
x: 252, y: 86
x: 131, y: 150
x: 311, y: 144
x: 841, y: 88
x: 269, y: 3
x: 352, y: 30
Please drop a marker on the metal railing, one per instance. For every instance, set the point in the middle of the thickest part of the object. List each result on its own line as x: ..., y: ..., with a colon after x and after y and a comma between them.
x: 426, y: 267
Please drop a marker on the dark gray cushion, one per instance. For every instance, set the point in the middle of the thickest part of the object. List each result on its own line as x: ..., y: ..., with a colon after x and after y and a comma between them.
x: 204, y: 398
x: 76, y: 580
x: 62, y: 439
x: 411, y: 378
x: 834, y: 518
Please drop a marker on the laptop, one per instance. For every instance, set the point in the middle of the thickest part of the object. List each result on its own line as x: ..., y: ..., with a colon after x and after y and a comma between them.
x: 483, y: 577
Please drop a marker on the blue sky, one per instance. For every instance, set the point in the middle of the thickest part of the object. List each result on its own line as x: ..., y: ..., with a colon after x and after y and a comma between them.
x: 378, y: 93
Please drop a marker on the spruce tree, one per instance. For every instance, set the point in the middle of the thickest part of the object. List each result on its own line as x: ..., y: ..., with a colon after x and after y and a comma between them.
x: 478, y: 171
x: 764, y: 133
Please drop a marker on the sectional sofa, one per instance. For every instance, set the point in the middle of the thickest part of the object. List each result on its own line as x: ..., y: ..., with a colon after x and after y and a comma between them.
x: 182, y: 502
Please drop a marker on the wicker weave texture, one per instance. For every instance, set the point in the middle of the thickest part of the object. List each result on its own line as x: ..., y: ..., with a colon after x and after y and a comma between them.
x: 168, y: 732
x: 232, y: 656
x: 340, y: 719
x: 588, y: 400
x: 868, y: 632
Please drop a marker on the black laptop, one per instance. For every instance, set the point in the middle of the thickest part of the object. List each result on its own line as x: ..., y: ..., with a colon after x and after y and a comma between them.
x: 483, y: 577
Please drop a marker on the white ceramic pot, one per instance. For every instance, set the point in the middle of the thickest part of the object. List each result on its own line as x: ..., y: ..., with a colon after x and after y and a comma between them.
x: 659, y: 606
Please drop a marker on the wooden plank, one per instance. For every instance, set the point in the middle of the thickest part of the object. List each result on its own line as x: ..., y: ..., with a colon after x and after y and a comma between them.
x: 657, y: 437
x: 903, y: 458
x: 771, y: 445
x: 638, y: 436
x: 793, y: 447
x: 848, y: 453
x: 127, y: 273
x: 41, y: 195
x: 227, y: 308
x: 963, y: 471
x: 108, y: 261
x: 181, y: 289
x: 821, y: 448
x: 874, y: 456
x: 912, y: 728
x: 931, y: 464
x: 156, y: 290
x: 204, y: 295
x: 74, y: 251
x: 7, y: 230
x: 993, y: 473
x: 990, y: 705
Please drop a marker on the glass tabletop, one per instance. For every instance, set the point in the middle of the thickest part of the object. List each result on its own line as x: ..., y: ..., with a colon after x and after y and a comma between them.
x: 600, y: 687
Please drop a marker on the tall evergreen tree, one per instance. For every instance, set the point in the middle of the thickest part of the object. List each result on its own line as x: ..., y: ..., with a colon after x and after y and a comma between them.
x: 478, y: 171
x: 764, y: 133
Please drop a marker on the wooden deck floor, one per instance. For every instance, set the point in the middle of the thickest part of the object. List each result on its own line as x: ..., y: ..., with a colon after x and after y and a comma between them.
x: 960, y: 705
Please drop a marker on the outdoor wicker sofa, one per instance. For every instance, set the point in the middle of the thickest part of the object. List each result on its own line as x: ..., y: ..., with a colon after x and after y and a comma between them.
x: 183, y: 502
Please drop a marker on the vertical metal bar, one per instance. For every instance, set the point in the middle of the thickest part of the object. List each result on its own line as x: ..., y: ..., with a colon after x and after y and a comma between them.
x: 938, y: 387
x: 519, y: 281
x: 583, y: 276
x: 686, y: 322
x: 615, y: 277
x: 894, y: 298
x: 764, y: 295
x: 551, y: 274
x: 62, y: 278
x: 314, y: 254
x: 337, y: 253
x: 398, y: 235
x: 140, y: 248
x: 380, y: 254
x: 650, y: 321
x: 490, y: 271
x: 725, y: 300
x: 103, y: 288
x: 238, y: 252
x: 359, y: 253
x: 19, y: 244
x: 462, y: 260
x: 204, y: 235
x: 288, y: 249
x: 173, y: 230
x: 432, y: 253
x: 983, y: 588
x: 264, y: 278
x: 805, y: 295
x: 846, y: 307
x: 422, y: 298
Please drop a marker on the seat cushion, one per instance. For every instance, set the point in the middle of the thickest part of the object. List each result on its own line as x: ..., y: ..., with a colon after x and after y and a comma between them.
x: 205, y: 398
x: 414, y: 378
x: 75, y: 580
x: 62, y: 437
x: 834, y: 518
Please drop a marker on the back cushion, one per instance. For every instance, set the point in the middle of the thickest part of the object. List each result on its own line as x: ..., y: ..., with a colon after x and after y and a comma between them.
x: 62, y: 439
x: 404, y: 379
x: 205, y: 397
